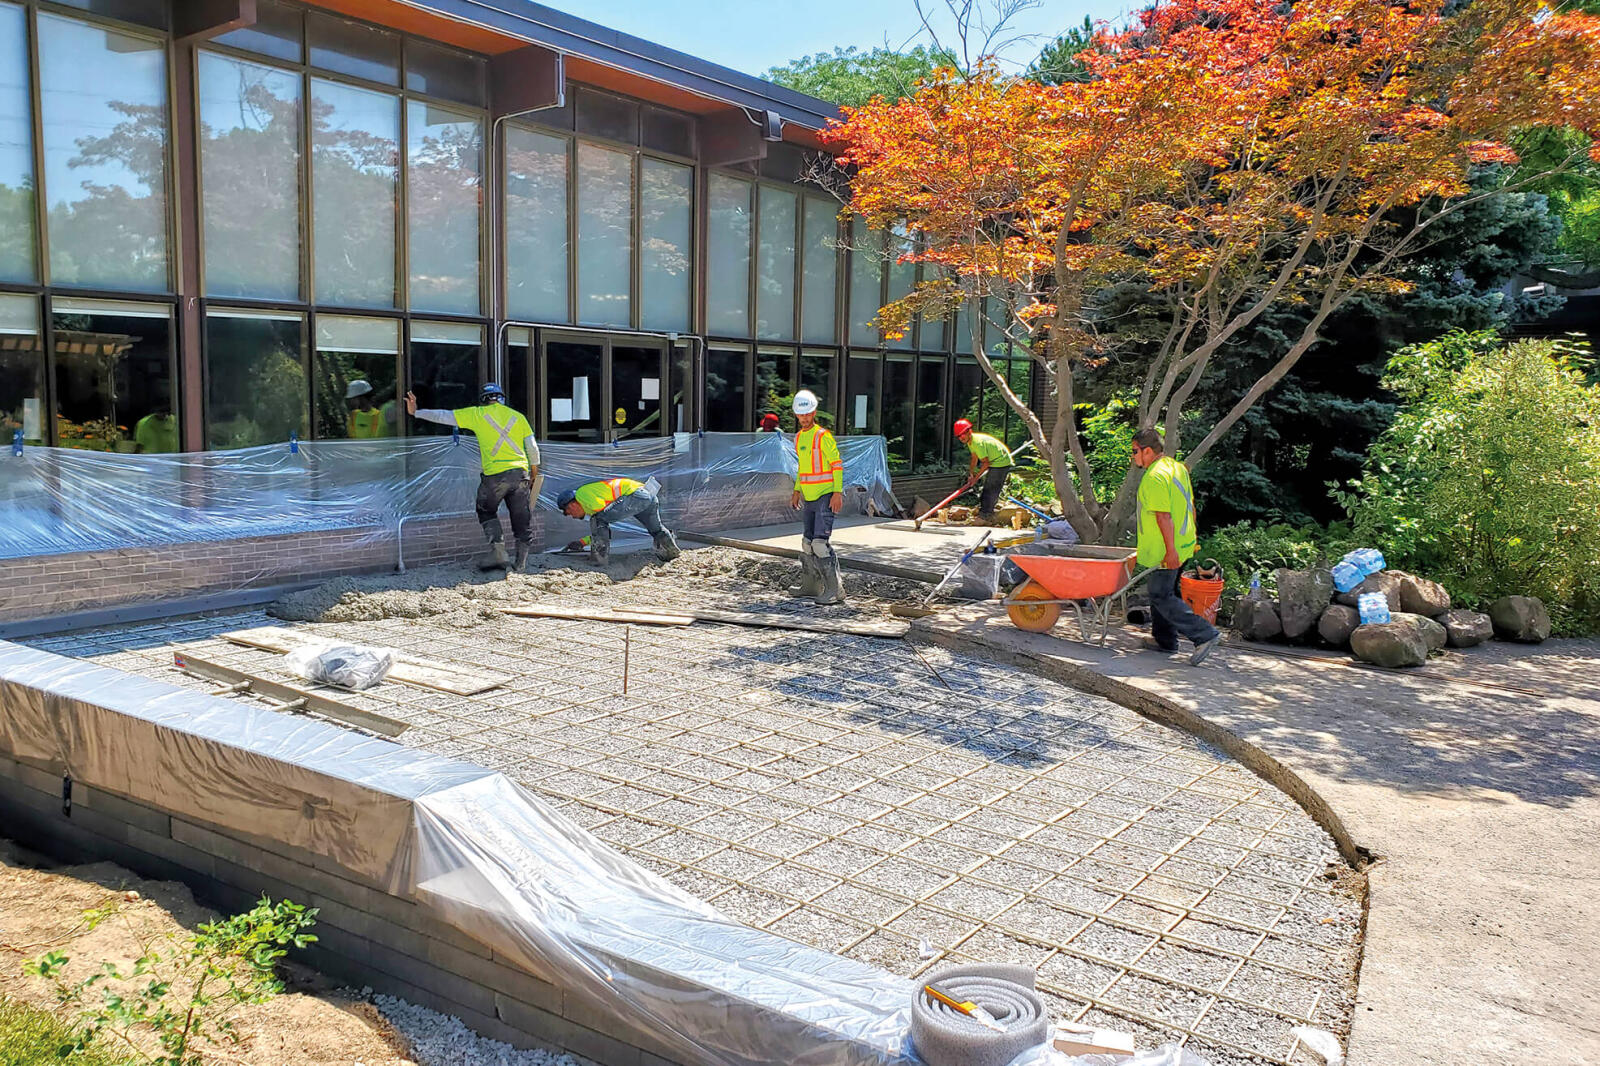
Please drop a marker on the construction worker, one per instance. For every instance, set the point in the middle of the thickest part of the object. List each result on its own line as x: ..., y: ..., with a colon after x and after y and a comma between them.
x: 365, y: 421
x: 609, y: 502
x: 510, y: 458
x: 1168, y: 535
x: 157, y: 431
x: 819, y: 496
x: 991, y: 462
x: 769, y: 423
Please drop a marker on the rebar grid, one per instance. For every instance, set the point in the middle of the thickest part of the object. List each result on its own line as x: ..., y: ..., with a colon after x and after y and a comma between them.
x: 833, y: 790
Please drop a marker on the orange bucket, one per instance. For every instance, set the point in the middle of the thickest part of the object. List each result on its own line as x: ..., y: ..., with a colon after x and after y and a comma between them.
x: 1203, y: 594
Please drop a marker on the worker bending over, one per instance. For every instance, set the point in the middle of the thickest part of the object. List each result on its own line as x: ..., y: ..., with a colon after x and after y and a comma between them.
x: 617, y: 500
x: 510, y: 459
x: 819, y: 496
x: 991, y: 462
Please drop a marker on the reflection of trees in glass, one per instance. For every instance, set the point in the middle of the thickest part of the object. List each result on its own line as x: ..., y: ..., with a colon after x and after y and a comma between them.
x: 444, y: 184
x: 256, y: 382
x: 355, y: 153
x: 536, y: 225
x: 775, y: 265
x: 664, y: 223
x: 250, y: 177
x: 605, y: 235
x: 16, y: 232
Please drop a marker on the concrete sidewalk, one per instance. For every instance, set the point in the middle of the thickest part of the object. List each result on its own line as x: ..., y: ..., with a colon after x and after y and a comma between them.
x: 1474, y: 781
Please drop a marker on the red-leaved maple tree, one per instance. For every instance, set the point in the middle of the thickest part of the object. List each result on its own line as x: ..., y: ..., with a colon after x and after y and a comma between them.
x: 1225, y: 156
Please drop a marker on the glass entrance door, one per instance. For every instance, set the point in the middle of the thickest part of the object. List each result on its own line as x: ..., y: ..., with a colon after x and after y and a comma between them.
x: 574, y: 400
x: 638, y: 373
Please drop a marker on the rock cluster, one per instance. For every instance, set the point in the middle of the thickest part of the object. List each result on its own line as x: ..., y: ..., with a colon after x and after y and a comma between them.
x: 1422, y: 618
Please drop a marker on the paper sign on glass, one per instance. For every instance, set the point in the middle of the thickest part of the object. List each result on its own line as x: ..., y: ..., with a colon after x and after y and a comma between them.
x: 580, y: 400
x: 861, y: 411
x: 650, y: 389
x: 560, y: 410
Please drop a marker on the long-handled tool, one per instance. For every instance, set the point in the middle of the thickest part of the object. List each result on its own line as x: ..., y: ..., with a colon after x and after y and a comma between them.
x: 969, y: 553
x: 916, y: 523
x: 1013, y: 501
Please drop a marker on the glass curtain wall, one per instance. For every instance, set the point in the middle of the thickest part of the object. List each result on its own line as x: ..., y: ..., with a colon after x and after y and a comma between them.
x: 818, y: 291
x: 18, y: 229
x: 444, y: 175
x: 728, y: 256
x: 355, y: 152
x: 819, y: 372
x: 775, y: 386
x: 357, y: 375
x: 775, y: 242
x: 536, y: 252
x: 256, y: 384
x: 444, y: 368
x: 605, y: 236
x: 666, y: 219
x: 21, y: 369
x: 727, y: 390
x: 114, y: 375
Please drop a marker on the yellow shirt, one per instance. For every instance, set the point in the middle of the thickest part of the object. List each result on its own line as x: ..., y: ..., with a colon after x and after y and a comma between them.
x: 1165, y: 488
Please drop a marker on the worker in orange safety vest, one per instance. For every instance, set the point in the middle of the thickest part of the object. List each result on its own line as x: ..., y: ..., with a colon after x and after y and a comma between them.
x: 819, y: 496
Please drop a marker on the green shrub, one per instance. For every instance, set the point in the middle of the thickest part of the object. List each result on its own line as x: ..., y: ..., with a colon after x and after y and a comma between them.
x: 1245, y: 549
x: 1489, y: 479
x: 33, y: 1037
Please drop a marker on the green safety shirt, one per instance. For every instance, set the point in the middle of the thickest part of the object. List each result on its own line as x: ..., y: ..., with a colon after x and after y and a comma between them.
x: 596, y: 496
x: 156, y: 433
x: 1165, y: 488
x: 984, y: 447
x: 500, y: 432
x: 366, y: 425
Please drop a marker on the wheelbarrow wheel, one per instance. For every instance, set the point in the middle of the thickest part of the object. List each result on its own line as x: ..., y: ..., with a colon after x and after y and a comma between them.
x: 1033, y: 617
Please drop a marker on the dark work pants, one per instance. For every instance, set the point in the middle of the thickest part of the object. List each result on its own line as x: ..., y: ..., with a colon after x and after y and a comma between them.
x: 515, y: 488
x: 1170, y: 616
x: 994, y: 482
x: 816, y: 517
x: 640, y: 504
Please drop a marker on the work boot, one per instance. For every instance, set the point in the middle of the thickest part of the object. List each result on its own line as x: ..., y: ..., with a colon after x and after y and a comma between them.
x: 600, y: 545
x: 496, y: 559
x: 522, y: 558
x: 666, y: 545
x: 810, y: 573
x: 832, y: 584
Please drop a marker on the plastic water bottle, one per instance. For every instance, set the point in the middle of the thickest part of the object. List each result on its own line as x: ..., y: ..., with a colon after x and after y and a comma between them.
x: 1370, y: 560
x: 1374, y: 607
x: 1347, y: 575
x: 1255, y: 583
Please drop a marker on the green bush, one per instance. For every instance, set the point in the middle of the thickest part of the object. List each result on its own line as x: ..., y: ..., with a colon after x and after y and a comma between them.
x: 1245, y: 549
x: 33, y: 1037
x: 1489, y: 479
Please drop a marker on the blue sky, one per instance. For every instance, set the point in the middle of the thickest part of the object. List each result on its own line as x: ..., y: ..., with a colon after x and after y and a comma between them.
x: 753, y: 37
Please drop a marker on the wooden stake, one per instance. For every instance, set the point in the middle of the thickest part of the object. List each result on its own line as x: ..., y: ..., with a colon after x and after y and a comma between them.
x: 627, y: 645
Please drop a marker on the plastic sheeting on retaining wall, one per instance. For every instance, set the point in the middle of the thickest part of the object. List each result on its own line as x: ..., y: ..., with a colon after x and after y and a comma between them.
x: 61, y: 500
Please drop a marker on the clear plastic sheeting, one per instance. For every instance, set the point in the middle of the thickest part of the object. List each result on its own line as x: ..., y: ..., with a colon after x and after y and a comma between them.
x: 62, y: 500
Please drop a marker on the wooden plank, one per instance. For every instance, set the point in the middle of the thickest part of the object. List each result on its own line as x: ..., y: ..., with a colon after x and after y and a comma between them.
x: 407, y: 669
x: 289, y: 694
x: 600, y: 615
x: 652, y: 616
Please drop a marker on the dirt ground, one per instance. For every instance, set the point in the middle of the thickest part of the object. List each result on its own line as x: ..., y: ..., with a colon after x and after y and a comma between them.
x: 41, y: 910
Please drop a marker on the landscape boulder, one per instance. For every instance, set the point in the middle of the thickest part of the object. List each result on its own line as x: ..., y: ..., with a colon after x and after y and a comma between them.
x: 1391, y: 644
x: 1466, y: 629
x: 1302, y: 597
x: 1383, y: 581
x: 1433, y: 634
x: 1520, y: 618
x: 1257, y: 619
x: 1418, y: 595
x: 1337, y: 623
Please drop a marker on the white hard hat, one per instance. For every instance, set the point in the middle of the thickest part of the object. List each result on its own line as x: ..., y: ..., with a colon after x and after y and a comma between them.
x: 805, y: 402
x: 357, y: 388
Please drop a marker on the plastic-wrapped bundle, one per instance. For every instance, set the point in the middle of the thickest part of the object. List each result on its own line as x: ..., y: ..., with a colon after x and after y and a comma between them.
x: 346, y: 665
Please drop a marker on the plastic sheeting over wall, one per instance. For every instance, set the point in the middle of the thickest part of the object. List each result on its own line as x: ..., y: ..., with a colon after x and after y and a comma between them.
x: 61, y: 500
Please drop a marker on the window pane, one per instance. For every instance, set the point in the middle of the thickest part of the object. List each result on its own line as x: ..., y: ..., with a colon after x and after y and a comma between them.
x: 444, y: 72
x: 250, y: 178
x: 105, y: 155
x: 897, y: 412
x: 444, y: 368
x: 775, y: 386
x: 902, y: 279
x: 608, y: 116
x: 16, y: 150
x: 21, y: 370
x: 966, y: 390
x: 1019, y: 379
x: 817, y: 297
x: 355, y: 375
x: 353, y: 48
x: 963, y: 327
x: 995, y: 407
x: 728, y: 257
x: 861, y: 394
x: 725, y: 390
x: 536, y: 225
x: 355, y: 151
x: 666, y: 215
x: 444, y: 181
x: 866, y: 279
x: 681, y: 372
x: 572, y: 391
x: 114, y: 376
x: 817, y: 372
x: 276, y: 32
x: 933, y: 428
x: 636, y: 390
x: 256, y: 389
x: 605, y: 236
x: 775, y: 277
x: 519, y: 363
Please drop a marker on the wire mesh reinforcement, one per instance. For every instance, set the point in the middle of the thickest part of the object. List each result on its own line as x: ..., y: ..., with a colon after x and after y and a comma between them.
x: 900, y: 805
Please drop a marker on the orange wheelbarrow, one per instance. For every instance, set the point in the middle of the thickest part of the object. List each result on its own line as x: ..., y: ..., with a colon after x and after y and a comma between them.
x: 1087, y: 578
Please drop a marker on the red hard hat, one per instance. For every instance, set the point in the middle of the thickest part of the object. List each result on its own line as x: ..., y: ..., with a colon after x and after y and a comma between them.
x: 769, y: 419
x: 962, y: 426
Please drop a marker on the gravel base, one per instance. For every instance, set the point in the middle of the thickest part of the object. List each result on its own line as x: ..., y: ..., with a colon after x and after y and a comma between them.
x: 444, y: 1040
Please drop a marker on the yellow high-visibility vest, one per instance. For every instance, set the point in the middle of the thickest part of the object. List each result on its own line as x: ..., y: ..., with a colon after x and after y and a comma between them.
x: 366, y: 425
x: 821, y: 470
x: 598, y: 495
x: 500, y: 432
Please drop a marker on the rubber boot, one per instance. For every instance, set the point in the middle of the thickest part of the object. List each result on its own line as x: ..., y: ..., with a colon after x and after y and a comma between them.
x: 600, y: 545
x: 832, y: 583
x: 810, y: 573
x: 496, y: 557
x: 522, y: 558
x: 666, y: 545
